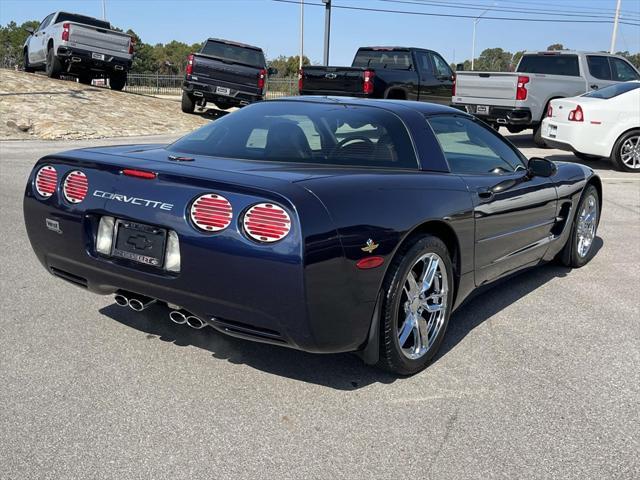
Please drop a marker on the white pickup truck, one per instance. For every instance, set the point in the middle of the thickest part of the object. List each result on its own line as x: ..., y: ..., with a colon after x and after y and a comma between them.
x: 79, y: 45
x: 518, y: 100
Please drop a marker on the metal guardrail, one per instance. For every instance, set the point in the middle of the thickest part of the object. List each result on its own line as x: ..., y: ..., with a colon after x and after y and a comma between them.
x: 151, y: 84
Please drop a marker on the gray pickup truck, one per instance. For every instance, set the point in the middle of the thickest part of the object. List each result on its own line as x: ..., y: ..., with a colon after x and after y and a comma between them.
x: 519, y: 100
x: 69, y: 43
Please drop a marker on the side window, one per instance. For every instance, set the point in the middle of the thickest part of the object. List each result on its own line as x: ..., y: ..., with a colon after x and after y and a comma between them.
x: 424, y: 64
x: 472, y: 148
x: 44, y: 23
x: 440, y: 66
x: 622, y: 71
x: 599, y: 67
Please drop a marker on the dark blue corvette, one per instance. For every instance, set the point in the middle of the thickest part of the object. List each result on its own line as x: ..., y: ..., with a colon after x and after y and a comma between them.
x: 327, y: 225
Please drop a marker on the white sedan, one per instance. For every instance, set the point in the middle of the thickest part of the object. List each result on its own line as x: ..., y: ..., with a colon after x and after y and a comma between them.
x: 601, y: 123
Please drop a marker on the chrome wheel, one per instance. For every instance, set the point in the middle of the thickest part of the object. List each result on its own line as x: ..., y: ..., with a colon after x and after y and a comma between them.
x: 630, y: 152
x: 423, y: 306
x: 587, y: 224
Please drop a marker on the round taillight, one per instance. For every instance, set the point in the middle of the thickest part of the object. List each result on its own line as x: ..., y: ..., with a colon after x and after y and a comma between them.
x: 211, y: 212
x: 46, y: 181
x: 266, y: 222
x: 75, y: 187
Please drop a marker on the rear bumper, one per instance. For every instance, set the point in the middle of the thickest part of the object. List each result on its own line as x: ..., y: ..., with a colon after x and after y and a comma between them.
x: 574, y: 137
x: 81, y: 59
x: 270, y: 295
x: 516, y: 116
x: 238, y: 96
x: 333, y: 93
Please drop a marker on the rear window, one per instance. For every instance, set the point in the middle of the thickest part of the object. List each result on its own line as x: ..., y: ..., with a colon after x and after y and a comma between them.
x: 73, y: 17
x: 550, y: 64
x: 393, y: 59
x: 305, y: 132
x: 234, y: 53
x: 613, y: 90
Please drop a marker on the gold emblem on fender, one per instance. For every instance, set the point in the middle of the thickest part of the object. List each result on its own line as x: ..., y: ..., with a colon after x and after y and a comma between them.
x: 371, y: 246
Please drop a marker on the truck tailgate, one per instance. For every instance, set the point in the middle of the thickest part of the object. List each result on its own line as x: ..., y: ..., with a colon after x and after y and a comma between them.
x: 330, y: 80
x: 490, y: 85
x: 99, y: 39
x: 206, y: 67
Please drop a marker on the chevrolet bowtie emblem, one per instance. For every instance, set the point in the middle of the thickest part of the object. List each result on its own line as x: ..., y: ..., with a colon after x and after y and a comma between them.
x: 371, y: 246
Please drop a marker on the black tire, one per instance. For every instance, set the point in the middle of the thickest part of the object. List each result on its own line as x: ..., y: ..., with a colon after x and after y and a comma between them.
x: 514, y: 130
x: 537, y: 137
x: 85, y: 79
x: 586, y: 157
x: 223, y: 105
x: 188, y: 103
x: 392, y: 313
x: 27, y: 66
x: 621, y: 148
x: 117, y: 81
x: 571, y: 255
x: 53, y: 66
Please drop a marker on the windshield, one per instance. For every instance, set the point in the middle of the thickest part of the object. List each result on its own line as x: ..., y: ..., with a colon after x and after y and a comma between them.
x: 305, y: 132
x: 550, y: 64
x: 72, y: 17
x: 613, y: 90
x: 234, y: 53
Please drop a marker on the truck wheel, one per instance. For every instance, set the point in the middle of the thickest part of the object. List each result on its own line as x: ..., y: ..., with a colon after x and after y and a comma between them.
x: 537, y: 137
x: 223, y: 105
x: 53, y: 66
x: 188, y: 103
x: 514, y: 130
x: 27, y: 66
x: 118, y: 81
x: 85, y: 79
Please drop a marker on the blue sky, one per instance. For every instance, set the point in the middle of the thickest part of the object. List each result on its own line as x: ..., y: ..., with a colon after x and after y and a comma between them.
x: 274, y: 26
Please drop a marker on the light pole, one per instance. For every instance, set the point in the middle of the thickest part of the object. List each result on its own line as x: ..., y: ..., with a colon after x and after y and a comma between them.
x: 473, y: 45
x: 104, y: 10
x: 327, y: 29
x: 301, y: 32
x: 615, y: 28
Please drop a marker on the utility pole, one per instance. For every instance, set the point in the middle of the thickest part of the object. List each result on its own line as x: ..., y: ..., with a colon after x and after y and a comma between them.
x: 301, y: 32
x: 104, y: 10
x: 473, y: 45
x: 615, y: 28
x: 327, y: 30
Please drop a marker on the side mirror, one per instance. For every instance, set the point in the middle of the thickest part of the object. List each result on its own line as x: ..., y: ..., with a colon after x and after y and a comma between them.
x: 541, y: 167
x: 272, y: 71
x: 29, y: 30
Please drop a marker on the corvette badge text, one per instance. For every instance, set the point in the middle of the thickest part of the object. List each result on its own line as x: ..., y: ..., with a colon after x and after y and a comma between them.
x: 143, y: 202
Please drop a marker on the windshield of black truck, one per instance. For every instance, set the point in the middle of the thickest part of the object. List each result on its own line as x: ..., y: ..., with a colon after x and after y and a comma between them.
x: 306, y: 132
x: 394, y: 59
x: 234, y: 53
x: 72, y: 17
x: 550, y: 64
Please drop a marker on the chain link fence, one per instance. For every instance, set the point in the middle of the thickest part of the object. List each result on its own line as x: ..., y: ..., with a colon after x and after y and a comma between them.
x: 151, y: 84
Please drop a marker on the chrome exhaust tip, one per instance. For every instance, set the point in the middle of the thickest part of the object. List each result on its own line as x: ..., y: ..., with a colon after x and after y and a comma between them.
x: 121, y: 300
x: 140, y: 303
x: 195, y: 322
x: 177, y: 316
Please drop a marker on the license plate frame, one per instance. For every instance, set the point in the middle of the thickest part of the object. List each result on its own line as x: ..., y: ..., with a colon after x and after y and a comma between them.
x: 97, y: 56
x: 223, y: 91
x: 483, y: 109
x: 140, y: 243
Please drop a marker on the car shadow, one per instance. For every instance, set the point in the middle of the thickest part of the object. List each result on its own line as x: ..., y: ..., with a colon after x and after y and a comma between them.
x: 337, y: 371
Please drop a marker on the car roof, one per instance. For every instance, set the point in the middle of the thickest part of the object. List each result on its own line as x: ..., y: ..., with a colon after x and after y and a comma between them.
x: 393, y: 105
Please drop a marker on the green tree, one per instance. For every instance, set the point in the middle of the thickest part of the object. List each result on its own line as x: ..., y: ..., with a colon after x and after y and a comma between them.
x: 493, y: 60
x: 288, y: 66
x: 516, y: 59
x: 12, y: 38
x: 556, y: 46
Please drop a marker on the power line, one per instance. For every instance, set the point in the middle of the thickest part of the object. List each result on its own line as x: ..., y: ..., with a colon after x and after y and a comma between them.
x: 476, y: 6
x: 494, y: 9
x: 451, y: 15
x: 581, y: 8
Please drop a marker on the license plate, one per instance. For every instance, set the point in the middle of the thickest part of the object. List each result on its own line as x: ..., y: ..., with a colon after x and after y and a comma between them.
x: 550, y: 131
x: 482, y: 109
x: 140, y: 243
x: 97, y: 56
x: 223, y: 90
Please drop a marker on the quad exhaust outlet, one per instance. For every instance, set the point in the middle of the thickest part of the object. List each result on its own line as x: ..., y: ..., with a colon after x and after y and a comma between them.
x: 140, y: 303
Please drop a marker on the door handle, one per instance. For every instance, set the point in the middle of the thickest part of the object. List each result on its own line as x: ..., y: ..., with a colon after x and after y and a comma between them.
x: 593, y: 87
x: 485, y: 193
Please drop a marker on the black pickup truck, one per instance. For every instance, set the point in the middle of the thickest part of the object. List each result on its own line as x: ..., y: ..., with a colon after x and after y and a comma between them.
x: 384, y: 72
x: 229, y: 74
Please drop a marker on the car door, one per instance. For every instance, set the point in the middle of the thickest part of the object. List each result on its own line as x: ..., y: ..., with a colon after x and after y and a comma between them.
x: 37, y: 42
x: 514, y: 212
x: 599, y: 72
x: 443, y: 85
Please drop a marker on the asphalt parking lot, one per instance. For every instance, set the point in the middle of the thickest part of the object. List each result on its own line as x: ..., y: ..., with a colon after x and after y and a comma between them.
x: 539, y: 377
